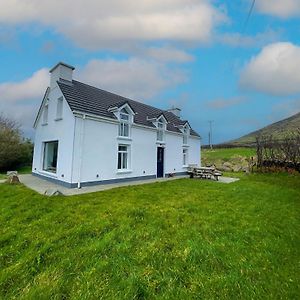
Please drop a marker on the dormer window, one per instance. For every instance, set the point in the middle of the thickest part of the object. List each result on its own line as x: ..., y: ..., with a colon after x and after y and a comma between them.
x: 160, y: 132
x: 186, y: 132
x: 161, y: 127
x: 124, y: 126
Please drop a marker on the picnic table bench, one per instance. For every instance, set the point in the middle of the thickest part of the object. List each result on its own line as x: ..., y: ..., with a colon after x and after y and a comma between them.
x: 204, y: 172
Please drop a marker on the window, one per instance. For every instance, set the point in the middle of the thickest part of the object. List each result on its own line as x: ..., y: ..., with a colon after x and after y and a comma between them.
x: 124, y: 123
x: 185, y: 138
x: 185, y: 135
x: 50, y: 156
x: 124, y: 129
x: 45, y: 114
x: 185, y: 157
x: 59, y: 108
x: 123, y: 157
x: 160, y: 131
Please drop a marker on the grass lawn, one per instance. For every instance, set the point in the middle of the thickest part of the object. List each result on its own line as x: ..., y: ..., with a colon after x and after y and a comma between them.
x: 226, y: 154
x: 182, y: 239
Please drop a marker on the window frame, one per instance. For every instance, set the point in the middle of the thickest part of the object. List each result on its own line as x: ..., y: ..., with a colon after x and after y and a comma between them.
x: 120, y: 158
x: 45, y: 114
x: 185, y: 157
x: 124, y: 124
x: 160, y: 132
x: 45, y: 155
x: 186, y: 133
x: 59, y: 109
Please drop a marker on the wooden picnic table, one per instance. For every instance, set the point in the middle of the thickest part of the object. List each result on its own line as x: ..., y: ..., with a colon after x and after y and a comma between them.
x: 204, y: 172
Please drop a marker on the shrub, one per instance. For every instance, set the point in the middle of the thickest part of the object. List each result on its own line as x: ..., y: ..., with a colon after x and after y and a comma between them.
x: 15, y: 151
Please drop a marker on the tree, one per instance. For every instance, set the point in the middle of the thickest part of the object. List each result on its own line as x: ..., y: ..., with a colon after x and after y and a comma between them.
x: 14, y: 150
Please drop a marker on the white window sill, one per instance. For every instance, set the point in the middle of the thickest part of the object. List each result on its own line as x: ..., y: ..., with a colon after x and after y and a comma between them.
x: 185, y: 166
x: 124, y: 138
x: 124, y: 171
x: 185, y: 145
x: 50, y: 174
x: 58, y: 119
x: 44, y: 124
x: 160, y: 142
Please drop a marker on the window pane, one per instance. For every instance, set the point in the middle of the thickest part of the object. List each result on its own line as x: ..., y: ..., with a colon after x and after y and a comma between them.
x: 59, y: 108
x: 50, y: 156
x: 45, y: 115
x: 124, y: 116
x: 119, y: 160
x: 122, y: 148
x: 124, y: 160
x: 160, y: 135
x: 126, y: 130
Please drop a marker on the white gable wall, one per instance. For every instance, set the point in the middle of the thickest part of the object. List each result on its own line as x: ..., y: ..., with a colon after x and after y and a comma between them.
x: 63, y: 131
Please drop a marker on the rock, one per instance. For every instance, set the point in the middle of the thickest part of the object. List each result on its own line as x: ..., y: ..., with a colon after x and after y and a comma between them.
x: 53, y: 192
x: 12, y: 173
x: 13, y: 179
x: 237, y: 168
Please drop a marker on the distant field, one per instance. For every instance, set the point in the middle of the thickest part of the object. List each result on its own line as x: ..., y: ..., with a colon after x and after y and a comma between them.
x: 182, y: 239
x: 226, y: 154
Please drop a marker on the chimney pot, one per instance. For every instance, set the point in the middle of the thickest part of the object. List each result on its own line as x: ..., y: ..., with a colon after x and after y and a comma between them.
x: 175, y: 110
x: 61, y: 71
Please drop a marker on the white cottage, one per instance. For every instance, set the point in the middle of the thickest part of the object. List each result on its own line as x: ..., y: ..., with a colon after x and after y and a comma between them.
x: 87, y: 136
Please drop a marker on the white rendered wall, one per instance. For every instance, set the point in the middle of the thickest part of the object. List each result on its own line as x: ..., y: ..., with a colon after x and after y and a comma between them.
x: 100, y: 152
x: 63, y: 131
x: 96, y: 150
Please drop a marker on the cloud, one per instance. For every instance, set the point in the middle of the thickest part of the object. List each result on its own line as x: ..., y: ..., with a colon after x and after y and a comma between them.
x: 20, y: 100
x: 27, y: 89
x: 138, y: 78
x: 275, y: 70
x: 279, y: 8
x: 168, y: 54
x: 135, y: 77
x: 247, y: 41
x: 284, y: 109
x: 117, y: 24
x: 225, y: 103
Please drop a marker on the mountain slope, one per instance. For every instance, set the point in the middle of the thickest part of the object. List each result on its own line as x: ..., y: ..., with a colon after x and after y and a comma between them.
x: 278, y: 130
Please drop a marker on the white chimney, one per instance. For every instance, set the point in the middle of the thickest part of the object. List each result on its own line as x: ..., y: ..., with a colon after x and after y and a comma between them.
x: 175, y: 110
x: 61, y: 71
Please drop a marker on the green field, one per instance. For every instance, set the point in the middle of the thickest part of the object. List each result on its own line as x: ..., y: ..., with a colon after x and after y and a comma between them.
x: 182, y: 239
x: 226, y: 154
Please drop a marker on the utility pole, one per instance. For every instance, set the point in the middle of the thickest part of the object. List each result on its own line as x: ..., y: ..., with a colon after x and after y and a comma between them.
x: 210, y: 134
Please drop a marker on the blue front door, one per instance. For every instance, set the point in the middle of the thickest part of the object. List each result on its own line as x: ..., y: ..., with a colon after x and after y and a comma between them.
x: 160, y: 162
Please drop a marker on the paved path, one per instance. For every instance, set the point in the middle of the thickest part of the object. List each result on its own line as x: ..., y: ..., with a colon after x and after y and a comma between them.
x: 40, y: 185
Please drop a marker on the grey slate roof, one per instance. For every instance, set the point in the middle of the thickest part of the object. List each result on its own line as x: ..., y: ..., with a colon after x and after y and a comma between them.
x: 91, y: 100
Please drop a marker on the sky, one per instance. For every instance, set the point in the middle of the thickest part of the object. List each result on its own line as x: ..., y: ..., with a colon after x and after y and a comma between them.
x: 212, y: 59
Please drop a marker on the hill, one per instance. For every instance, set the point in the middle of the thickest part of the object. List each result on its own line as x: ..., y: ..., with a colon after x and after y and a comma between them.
x: 278, y: 130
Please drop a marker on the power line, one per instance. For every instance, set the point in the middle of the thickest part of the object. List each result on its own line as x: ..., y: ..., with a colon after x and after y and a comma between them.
x: 248, y: 16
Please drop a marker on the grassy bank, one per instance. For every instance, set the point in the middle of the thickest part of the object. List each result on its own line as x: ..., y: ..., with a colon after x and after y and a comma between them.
x: 181, y: 239
x: 227, y: 154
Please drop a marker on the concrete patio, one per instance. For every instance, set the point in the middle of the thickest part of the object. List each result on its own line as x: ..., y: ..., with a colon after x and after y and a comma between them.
x: 41, y: 186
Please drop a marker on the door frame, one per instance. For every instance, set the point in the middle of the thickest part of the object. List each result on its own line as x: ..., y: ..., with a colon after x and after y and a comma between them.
x: 163, y: 161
